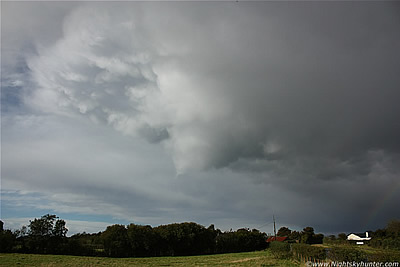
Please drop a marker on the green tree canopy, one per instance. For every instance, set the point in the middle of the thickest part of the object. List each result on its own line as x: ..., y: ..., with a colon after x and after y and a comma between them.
x: 115, y: 240
x: 284, y: 231
x: 48, y: 225
x: 393, y: 228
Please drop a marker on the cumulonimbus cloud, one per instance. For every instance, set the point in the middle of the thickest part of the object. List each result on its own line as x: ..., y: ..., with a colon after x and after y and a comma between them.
x: 216, y: 93
x: 108, y: 68
x: 282, y: 107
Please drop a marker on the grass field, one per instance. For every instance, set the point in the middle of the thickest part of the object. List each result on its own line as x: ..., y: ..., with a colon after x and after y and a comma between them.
x: 259, y: 258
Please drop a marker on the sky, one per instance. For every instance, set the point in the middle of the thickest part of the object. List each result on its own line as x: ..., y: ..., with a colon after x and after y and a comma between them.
x: 223, y: 113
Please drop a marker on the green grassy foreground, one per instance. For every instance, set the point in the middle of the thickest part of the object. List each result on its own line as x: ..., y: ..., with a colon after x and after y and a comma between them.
x: 259, y: 258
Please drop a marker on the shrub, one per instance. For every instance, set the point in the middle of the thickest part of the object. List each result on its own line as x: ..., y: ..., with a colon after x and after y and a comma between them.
x: 280, y: 250
x: 384, y: 256
x: 391, y: 243
x: 346, y: 254
x: 308, y: 251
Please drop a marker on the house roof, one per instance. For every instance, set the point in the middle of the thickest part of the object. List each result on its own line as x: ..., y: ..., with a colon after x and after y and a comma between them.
x: 362, y: 235
x: 358, y: 237
x: 278, y: 238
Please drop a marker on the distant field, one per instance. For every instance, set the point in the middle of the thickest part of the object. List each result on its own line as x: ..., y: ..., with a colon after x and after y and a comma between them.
x: 259, y: 258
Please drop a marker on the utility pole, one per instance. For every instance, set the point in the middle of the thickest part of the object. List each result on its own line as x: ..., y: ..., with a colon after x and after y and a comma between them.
x: 273, y: 217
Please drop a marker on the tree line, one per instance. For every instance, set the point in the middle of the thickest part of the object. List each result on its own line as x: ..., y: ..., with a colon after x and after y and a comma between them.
x: 47, y: 235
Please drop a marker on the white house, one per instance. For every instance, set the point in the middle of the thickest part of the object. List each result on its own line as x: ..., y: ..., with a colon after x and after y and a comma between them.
x: 359, y: 238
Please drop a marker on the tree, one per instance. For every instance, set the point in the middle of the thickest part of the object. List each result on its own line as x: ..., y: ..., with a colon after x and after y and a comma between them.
x: 294, y: 236
x: 307, y: 235
x: 7, y: 240
x: 115, y: 240
x: 47, y: 225
x: 60, y: 229
x: 317, y: 239
x: 331, y: 238
x: 42, y: 226
x: 342, y: 236
x: 143, y: 240
x: 47, y: 234
x: 21, y: 232
x: 240, y: 241
x: 393, y: 228
x: 284, y: 231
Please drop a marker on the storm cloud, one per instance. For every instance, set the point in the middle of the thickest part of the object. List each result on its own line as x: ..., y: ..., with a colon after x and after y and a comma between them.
x: 215, y: 112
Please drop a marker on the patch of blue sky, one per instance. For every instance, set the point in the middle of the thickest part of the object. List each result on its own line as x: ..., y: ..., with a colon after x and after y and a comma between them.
x: 18, y: 204
x: 10, y: 98
x: 15, y: 77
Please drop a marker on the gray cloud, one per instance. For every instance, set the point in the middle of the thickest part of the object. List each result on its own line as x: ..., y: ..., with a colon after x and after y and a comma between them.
x: 221, y: 110
x: 224, y: 94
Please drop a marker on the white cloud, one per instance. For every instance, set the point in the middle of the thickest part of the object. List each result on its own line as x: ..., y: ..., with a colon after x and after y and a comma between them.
x: 107, y: 67
x: 240, y: 100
